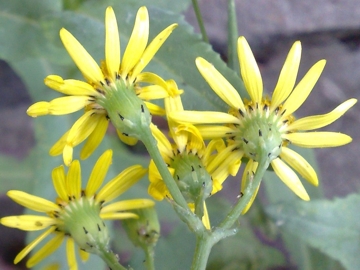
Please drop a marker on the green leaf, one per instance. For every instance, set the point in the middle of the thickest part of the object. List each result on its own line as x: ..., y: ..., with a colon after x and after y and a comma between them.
x: 16, y: 173
x: 242, y: 252
x: 276, y: 191
x: 331, y: 226
x: 20, y: 28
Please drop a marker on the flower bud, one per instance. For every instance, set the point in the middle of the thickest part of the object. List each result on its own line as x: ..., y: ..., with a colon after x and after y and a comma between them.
x: 145, y: 230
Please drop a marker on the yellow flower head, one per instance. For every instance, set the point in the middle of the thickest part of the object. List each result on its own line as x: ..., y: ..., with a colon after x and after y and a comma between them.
x: 77, y: 215
x: 198, y: 170
x: 263, y: 127
x: 115, y: 84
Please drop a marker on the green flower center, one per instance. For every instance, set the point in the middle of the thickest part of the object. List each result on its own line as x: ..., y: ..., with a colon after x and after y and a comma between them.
x: 126, y: 110
x: 260, y: 131
x: 192, y: 178
x: 82, y: 221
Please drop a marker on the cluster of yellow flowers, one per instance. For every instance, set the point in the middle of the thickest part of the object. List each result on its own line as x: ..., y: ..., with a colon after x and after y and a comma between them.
x: 203, y: 148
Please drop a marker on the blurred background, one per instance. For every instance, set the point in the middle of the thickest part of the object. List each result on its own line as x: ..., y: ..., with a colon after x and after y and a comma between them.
x: 328, y: 29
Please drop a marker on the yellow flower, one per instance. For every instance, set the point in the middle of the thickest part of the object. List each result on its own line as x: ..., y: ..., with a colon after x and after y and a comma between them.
x: 102, y: 82
x: 198, y: 170
x: 77, y: 214
x: 264, y: 126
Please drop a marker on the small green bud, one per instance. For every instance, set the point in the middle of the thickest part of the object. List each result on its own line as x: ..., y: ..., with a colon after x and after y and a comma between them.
x: 193, y: 180
x: 145, y: 230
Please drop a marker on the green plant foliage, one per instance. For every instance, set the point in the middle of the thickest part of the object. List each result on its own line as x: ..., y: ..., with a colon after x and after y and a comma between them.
x: 16, y: 173
x: 331, y: 226
x: 30, y: 43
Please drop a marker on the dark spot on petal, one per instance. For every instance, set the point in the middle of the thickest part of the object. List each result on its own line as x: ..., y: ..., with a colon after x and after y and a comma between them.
x: 241, y: 113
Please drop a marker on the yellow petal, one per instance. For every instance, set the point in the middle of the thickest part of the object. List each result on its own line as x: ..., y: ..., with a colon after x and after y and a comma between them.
x: 222, y: 158
x: 46, y: 250
x: 303, y: 89
x: 205, y: 218
x: 219, y: 84
x: 70, y: 87
x: 214, y: 132
x: 152, y: 92
x: 33, y: 244
x: 121, y: 183
x: 98, y: 173
x: 318, y: 121
x: 250, y: 168
x: 151, y: 50
x: 163, y: 143
x: 112, y: 43
x: 221, y: 166
x: 173, y: 103
x: 216, y: 145
x: 287, y: 76
x: 195, y: 141
x: 137, y: 43
x: 158, y: 190
x: 69, y: 104
x: 118, y: 216
x: 289, y: 177
x: 38, y: 109
x: 70, y: 254
x: 28, y: 222
x: 52, y: 266
x: 59, y: 182
x: 58, y: 147
x: 96, y: 137
x: 154, y: 109
x: 127, y: 205
x: 127, y: 139
x: 196, y: 117
x: 84, y: 256
x: 32, y: 202
x: 318, y: 139
x: 299, y: 164
x: 73, y: 180
x: 82, y: 128
x: 68, y: 154
x: 151, y: 78
x: 250, y: 72
x: 87, y: 65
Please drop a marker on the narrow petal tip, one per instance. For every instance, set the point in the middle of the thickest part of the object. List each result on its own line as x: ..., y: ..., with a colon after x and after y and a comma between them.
x: 38, y: 109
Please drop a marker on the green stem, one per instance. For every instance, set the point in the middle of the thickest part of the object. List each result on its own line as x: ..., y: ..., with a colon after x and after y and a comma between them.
x: 149, y: 260
x: 232, y: 36
x: 110, y: 259
x: 200, y: 21
x: 151, y: 145
x: 205, y: 240
x: 204, y: 243
x: 236, y: 211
